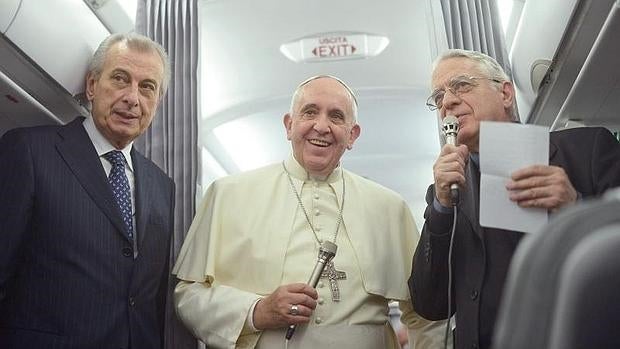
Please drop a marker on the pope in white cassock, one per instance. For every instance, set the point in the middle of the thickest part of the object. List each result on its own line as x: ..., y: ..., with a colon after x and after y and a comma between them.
x: 255, y: 239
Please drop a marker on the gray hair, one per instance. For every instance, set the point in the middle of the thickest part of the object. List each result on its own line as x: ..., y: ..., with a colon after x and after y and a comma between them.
x: 136, y: 42
x: 299, y: 92
x: 486, y: 64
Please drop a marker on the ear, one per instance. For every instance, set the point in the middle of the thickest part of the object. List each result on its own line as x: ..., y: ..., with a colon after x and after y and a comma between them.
x: 90, y: 86
x: 355, y: 132
x: 508, y: 94
x: 288, y: 123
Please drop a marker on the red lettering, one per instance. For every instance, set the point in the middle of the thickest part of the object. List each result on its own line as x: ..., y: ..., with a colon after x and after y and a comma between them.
x: 332, y: 50
x: 340, y: 50
x: 332, y: 40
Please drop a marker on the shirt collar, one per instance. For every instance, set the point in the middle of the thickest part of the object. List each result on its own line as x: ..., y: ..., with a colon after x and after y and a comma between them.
x: 102, y: 145
x: 297, y: 171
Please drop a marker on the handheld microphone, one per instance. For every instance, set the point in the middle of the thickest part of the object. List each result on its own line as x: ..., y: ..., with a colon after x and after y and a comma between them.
x: 450, y: 128
x: 326, y: 253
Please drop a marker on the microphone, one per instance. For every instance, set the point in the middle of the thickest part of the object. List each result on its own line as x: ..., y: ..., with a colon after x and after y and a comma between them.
x: 450, y: 128
x: 326, y: 253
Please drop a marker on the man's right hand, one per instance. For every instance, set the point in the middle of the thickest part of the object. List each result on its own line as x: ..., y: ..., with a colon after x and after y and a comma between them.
x: 274, y: 310
x: 448, y: 169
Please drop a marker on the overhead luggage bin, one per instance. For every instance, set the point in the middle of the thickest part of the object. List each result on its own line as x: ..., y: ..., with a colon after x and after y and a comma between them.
x: 45, y: 47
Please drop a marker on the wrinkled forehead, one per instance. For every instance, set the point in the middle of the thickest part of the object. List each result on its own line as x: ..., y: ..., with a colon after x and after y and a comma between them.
x: 453, y: 67
x: 138, y: 60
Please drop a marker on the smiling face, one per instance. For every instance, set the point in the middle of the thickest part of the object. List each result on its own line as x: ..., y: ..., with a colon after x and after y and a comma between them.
x: 487, y: 100
x: 125, y: 94
x: 321, y: 125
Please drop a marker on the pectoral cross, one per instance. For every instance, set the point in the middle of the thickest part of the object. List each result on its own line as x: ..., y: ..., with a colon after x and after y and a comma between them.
x: 333, y: 275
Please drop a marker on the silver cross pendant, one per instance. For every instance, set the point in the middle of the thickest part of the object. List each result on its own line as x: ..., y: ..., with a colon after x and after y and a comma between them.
x: 332, y: 275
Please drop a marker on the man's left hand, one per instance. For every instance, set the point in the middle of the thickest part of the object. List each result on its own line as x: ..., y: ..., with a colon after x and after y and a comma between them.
x: 541, y: 186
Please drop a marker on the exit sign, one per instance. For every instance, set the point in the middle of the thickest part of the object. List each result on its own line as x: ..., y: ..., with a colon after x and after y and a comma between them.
x: 334, y: 46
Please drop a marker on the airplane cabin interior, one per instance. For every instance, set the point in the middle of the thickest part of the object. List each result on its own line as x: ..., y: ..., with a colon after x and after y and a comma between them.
x: 561, y: 54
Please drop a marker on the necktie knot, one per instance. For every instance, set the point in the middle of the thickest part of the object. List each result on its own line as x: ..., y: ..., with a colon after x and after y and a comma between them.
x: 115, y: 157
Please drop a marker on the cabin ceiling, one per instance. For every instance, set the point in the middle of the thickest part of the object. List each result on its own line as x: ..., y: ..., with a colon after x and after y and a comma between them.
x: 247, y: 85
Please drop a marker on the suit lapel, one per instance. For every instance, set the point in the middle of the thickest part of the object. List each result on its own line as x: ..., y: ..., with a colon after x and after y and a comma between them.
x: 553, y: 149
x: 143, y: 182
x: 79, y: 154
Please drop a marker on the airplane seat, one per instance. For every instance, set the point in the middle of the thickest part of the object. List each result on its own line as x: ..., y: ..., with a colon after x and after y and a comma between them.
x: 563, y: 287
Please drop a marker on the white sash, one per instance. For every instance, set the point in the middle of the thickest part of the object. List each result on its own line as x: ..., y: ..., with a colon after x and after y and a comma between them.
x: 330, y: 336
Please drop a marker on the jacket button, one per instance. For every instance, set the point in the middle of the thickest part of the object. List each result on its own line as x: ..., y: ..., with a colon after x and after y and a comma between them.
x: 427, y: 252
x: 474, y: 295
x: 132, y: 301
x: 127, y: 251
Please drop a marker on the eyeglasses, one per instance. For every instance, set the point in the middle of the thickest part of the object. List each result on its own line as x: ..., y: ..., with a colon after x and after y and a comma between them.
x: 458, y: 85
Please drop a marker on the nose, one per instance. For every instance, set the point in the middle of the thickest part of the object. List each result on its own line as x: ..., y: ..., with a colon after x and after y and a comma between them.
x: 450, y: 99
x: 131, y: 95
x: 322, y: 124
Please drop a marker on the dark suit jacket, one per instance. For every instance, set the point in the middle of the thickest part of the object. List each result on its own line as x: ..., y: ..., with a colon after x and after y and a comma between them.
x: 68, y: 278
x: 481, y: 256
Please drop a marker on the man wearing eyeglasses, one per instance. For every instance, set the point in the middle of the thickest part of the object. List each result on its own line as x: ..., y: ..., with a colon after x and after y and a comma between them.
x: 583, y: 162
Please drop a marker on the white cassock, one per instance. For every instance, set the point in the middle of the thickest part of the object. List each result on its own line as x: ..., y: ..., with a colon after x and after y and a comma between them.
x: 250, y: 236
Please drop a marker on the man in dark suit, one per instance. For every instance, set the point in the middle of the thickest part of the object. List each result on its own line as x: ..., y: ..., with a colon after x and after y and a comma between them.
x: 85, y: 220
x: 583, y: 162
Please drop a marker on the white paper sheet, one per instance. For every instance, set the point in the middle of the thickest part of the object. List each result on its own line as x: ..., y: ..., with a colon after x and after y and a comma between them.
x: 504, y: 148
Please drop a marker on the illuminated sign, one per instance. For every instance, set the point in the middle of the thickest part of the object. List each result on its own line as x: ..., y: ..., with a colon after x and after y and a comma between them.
x: 334, y: 46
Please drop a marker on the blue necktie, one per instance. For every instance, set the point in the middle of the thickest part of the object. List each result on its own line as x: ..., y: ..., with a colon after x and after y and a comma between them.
x: 120, y: 187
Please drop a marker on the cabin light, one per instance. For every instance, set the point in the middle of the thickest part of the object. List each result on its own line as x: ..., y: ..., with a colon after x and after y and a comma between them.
x: 334, y: 46
x: 243, y: 143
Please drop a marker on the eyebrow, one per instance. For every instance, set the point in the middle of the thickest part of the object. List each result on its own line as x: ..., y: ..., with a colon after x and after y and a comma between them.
x: 329, y: 111
x: 447, y: 82
x: 125, y: 72
x: 315, y: 106
x: 308, y: 106
x: 119, y: 70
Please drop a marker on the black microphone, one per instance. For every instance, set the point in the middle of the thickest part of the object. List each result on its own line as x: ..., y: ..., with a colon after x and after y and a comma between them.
x: 450, y: 128
x: 326, y: 253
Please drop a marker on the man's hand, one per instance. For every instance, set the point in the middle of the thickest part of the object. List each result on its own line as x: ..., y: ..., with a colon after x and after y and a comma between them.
x: 449, y: 168
x: 274, y: 311
x: 541, y: 186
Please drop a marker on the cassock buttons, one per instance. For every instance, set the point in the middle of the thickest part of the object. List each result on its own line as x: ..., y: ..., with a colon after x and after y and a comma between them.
x: 320, y: 284
x: 317, y: 212
x: 316, y: 196
x: 318, y: 320
x: 321, y: 300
